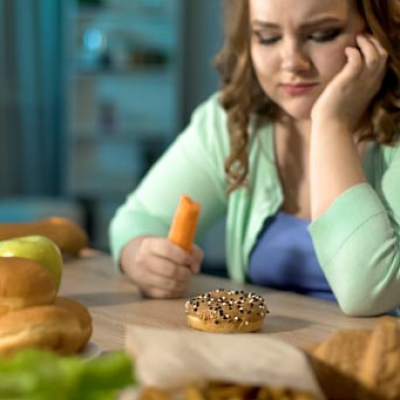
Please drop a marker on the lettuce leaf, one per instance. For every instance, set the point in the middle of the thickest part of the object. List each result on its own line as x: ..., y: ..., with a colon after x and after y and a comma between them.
x: 39, y: 375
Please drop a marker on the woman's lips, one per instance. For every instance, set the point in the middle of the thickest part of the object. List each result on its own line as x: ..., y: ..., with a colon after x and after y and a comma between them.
x: 298, y: 89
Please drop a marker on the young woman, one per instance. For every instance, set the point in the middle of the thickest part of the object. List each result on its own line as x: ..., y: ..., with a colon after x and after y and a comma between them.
x: 298, y: 149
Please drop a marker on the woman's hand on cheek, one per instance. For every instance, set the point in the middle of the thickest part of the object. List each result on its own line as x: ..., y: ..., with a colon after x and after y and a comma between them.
x: 346, y: 98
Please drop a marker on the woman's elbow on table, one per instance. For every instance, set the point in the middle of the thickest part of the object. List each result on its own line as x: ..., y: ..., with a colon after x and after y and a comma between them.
x: 352, y: 309
x: 355, y: 301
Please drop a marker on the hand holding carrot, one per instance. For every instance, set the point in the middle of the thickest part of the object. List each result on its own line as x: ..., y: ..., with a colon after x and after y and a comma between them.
x: 162, y: 267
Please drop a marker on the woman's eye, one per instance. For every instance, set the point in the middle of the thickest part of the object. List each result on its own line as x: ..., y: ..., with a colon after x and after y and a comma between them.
x: 266, y: 40
x: 321, y: 37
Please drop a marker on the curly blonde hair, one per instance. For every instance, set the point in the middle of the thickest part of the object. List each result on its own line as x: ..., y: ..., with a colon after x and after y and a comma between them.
x: 242, y: 96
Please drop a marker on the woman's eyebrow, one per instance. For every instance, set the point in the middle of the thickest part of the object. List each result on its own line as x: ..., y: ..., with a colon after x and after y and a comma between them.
x: 305, y: 25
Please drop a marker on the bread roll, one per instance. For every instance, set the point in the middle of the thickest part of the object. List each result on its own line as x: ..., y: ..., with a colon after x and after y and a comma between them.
x: 360, y: 364
x: 42, y: 327
x: 68, y: 235
x: 81, y: 313
x: 337, y: 360
x: 224, y: 311
x: 24, y: 283
x: 380, y: 370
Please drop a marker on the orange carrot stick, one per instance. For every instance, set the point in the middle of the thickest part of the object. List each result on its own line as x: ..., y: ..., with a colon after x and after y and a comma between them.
x: 184, y: 224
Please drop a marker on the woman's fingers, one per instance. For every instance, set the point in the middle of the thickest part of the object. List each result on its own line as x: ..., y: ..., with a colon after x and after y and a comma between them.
x: 368, y: 59
x: 165, y: 283
x: 163, y: 248
x: 354, y: 62
x: 378, y: 46
x: 369, y: 52
x: 160, y: 293
x: 159, y: 286
x: 149, y: 278
x: 168, y: 269
x: 347, y: 96
x: 197, y: 255
x: 160, y: 268
x: 374, y: 55
x: 365, y: 67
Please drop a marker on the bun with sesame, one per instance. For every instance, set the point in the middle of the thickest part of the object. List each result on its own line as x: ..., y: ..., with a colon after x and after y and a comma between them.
x: 223, y: 311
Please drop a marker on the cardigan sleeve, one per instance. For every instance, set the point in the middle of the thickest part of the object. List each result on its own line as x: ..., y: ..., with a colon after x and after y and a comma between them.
x: 192, y: 165
x: 357, y: 241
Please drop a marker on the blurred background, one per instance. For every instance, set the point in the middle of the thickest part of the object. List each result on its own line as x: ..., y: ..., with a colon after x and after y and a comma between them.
x: 91, y: 93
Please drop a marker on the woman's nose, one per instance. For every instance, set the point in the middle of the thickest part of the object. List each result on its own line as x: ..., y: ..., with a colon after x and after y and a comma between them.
x: 294, y: 58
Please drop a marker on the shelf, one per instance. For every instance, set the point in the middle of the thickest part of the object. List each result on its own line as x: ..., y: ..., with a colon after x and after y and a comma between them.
x: 118, y: 14
x: 124, y: 93
x: 106, y: 189
x: 102, y: 168
x: 82, y: 138
x: 139, y: 72
x: 166, y: 9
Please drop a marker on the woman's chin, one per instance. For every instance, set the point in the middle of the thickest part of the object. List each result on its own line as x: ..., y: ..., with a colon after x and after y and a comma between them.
x: 299, y: 113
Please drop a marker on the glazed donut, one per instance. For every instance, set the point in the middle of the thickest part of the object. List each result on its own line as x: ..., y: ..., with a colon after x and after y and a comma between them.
x: 42, y: 327
x: 81, y: 313
x: 224, y: 311
x: 24, y: 283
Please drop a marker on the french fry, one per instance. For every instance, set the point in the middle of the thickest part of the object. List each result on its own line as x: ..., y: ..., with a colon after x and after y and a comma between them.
x: 263, y: 394
x: 226, y: 391
x: 193, y: 392
x: 153, y: 393
x: 184, y: 224
x: 221, y: 391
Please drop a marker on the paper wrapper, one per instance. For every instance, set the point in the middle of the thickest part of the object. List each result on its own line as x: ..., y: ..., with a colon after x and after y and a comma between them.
x: 172, y: 358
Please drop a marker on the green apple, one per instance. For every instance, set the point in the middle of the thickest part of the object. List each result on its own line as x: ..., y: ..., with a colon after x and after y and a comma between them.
x: 38, y: 248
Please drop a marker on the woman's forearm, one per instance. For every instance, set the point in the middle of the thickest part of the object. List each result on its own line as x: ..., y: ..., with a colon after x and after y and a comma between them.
x: 335, y: 164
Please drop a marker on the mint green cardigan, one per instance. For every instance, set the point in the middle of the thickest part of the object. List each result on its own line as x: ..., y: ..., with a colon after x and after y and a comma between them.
x: 356, y: 239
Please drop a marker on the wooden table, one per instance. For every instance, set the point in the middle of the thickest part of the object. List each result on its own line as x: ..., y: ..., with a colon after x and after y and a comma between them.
x: 114, y: 302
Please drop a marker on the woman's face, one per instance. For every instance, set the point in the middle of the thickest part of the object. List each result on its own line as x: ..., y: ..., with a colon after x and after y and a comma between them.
x: 297, y: 47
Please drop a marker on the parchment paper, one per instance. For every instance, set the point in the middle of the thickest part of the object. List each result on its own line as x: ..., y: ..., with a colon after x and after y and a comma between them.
x: 172, y: 358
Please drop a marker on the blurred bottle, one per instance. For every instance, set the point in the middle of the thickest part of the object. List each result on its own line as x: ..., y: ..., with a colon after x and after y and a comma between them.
x: 146, y: 57
x: 107, y: 117
x: 93, y: 49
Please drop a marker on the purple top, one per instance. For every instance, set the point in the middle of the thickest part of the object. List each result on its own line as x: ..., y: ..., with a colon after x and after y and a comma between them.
x: 284, y: 258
